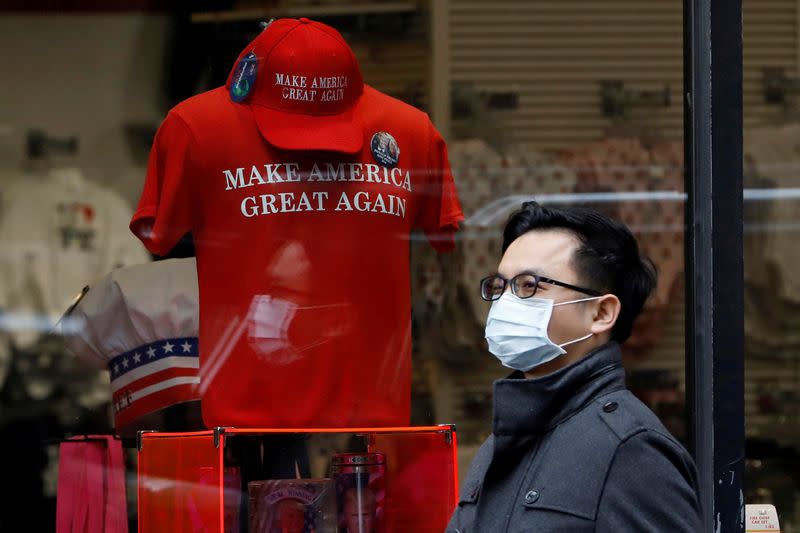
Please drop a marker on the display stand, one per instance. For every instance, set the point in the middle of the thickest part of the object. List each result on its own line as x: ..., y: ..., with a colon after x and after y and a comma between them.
x: 190, y: 482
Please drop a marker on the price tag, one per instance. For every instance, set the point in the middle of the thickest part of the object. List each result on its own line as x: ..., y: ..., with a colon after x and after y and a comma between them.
x: 761, y: 519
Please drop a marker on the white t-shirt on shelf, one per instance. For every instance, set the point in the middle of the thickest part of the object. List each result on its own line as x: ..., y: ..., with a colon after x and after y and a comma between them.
x: 58, y: 233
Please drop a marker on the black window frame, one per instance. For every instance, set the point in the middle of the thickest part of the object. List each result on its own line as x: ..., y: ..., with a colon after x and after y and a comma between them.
x: 715, y: 257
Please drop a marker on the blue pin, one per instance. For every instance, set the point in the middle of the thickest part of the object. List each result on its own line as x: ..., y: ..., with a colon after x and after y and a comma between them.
x: 244, y: 77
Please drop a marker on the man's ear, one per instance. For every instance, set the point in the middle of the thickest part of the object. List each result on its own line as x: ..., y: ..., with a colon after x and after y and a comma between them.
x: 605, y: 313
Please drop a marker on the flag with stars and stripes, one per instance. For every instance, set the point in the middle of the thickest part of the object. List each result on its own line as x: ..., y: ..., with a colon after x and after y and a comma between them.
x: 154, y: 376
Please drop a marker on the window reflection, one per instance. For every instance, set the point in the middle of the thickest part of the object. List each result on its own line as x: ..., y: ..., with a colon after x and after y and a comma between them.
x: 568, y: 102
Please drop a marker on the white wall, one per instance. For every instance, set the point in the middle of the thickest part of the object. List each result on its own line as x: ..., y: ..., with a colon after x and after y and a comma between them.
x: 83, y: 75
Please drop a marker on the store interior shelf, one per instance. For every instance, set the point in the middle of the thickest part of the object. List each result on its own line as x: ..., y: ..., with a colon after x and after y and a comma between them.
x: 304, y: 11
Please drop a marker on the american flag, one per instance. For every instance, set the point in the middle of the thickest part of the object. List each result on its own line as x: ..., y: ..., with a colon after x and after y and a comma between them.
x: 154, y: 376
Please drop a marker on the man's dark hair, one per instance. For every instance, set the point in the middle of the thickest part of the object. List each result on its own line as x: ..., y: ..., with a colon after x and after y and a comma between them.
x: 607, y: 259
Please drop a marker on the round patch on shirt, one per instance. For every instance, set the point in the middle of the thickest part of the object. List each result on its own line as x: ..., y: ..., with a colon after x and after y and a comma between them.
x: 384, y: 149
x: 244, y: 77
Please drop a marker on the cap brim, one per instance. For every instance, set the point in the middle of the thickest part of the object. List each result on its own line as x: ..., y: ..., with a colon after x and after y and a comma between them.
x: 294, y: 131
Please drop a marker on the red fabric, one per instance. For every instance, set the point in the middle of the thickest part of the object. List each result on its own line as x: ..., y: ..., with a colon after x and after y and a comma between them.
x: 91, y: 487
x: 69, y: 482
x: 94, y: 462
x: 116, y: 506
x: 304, y: 283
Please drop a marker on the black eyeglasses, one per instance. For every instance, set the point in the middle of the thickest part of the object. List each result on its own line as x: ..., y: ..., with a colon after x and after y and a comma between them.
x: 523, y: 285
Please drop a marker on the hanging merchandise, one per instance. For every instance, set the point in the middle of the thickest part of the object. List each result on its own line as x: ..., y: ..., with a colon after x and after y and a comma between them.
x: 772, y: 294
x: 625, y: 165
x: 59, y: 233
x: 531, y: 169
x: 91, y: 486
x: 300, y: 185
x: 140, y: 323
x: 773, y: 154
x: 662, y: 239
x: 477, y: 169
x: 485, y: 177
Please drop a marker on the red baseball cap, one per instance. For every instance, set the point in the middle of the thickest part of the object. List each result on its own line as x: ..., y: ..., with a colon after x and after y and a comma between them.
x: 302, y: 81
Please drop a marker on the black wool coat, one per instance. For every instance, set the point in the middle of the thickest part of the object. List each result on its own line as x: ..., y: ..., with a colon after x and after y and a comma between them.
x: 575, y: 451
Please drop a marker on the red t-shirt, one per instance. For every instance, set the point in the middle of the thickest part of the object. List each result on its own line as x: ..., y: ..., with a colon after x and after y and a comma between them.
x: 302, y: 259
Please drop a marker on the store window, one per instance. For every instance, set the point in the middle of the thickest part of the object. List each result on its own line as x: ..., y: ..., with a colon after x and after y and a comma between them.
x: 772, y: 381
x: 571, y: 104
x: 567, y: 102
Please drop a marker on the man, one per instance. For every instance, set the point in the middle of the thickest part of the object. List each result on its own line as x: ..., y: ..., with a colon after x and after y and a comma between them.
x: 571, y: 449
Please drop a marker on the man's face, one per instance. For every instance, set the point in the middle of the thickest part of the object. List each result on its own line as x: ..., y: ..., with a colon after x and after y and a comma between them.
x: 549, y: 253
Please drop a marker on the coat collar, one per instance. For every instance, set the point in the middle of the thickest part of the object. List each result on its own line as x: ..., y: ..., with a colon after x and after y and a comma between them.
x: 527, y: 407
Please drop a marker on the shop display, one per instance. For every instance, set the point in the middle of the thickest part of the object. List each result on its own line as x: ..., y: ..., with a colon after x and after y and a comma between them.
x: 484, y: 176
x: 629, y: 165
x: 59, y: 231
x: 369, y: 481
x: 292, y: 506
x: 773, y: 157
x: 350, y: 501
x: 140, y: 323
x: 307, y: 196
x: 360, y: 480
x: 300, y: 185
x: 46, y: 260
x: 492, y: 185
x: 771, y: 295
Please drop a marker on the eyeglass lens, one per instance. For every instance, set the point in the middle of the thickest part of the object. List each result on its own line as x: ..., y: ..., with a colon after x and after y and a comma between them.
x: 523, y: 286
x: 492, y: 288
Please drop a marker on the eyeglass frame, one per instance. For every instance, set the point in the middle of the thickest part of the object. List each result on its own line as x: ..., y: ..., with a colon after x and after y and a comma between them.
x: 538, y: 279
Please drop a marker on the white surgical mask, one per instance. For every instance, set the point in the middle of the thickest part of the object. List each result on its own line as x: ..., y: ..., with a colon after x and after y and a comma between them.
x: 516, y: 330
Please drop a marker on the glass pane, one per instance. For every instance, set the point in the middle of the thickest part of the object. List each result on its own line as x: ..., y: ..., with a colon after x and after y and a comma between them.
x: 405, y: 480
x: 296, y: 275
x: 772, y: 301
x: 572, y: 104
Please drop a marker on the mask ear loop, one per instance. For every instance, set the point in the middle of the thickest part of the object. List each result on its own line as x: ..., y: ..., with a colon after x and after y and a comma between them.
x: 579, y: 339
x: 576, y: 340
x: 577, y: 301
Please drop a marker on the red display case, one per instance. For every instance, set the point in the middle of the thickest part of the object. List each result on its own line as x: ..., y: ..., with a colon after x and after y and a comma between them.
x: 197, y: 482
